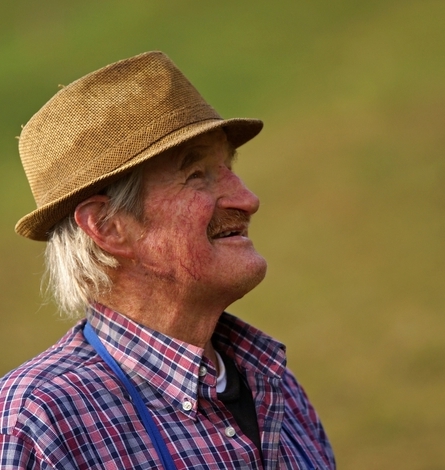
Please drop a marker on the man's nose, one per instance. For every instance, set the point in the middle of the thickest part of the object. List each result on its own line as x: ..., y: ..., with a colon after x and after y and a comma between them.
x: 236, y: 195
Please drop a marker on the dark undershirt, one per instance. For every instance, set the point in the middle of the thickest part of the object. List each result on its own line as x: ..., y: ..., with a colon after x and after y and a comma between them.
x: 237, y: 397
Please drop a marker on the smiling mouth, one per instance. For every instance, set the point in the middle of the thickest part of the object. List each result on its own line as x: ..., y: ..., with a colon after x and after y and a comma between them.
x: 230, y: 233
x: 228, y: 223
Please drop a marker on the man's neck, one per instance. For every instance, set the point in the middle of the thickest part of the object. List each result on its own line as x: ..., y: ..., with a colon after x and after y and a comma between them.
x: 194, y: 325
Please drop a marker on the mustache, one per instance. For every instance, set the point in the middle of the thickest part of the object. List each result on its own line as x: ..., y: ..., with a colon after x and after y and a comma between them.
x: 227, y: 219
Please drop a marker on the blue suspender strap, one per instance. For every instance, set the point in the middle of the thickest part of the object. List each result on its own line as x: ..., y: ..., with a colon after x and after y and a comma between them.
x: 149, y: 424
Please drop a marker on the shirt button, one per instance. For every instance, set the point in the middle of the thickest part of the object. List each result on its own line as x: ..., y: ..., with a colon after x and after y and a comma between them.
x: 202, y: 371
x: 186, y: 405
x: 229, y: 431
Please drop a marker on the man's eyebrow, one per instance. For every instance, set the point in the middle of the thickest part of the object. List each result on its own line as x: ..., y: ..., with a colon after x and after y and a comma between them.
x: 198, y: 153
x: 192, y: 156
x: 233, y: 154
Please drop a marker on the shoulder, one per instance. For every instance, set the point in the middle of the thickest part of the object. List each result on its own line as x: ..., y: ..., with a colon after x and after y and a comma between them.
x: 294, y: 394
x: 297, y: 402
x: 300, y: 416
x: 49, y: 372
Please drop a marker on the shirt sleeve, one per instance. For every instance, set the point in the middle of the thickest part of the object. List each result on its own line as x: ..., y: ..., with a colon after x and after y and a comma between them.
x: 18, y: 454
x: 298, y: 406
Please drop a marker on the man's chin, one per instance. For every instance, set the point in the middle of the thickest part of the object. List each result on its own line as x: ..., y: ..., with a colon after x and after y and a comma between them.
x: 255, y: 272
x: 260, y: 273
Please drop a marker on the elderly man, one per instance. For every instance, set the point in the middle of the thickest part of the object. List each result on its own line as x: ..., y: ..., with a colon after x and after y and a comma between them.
x: 147, y: 231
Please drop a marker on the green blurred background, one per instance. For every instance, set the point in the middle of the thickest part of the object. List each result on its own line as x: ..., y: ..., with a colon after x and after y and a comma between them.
x: 350, y: 169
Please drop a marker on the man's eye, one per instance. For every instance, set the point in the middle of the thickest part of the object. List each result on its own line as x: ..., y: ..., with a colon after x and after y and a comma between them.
x: 195, y: 175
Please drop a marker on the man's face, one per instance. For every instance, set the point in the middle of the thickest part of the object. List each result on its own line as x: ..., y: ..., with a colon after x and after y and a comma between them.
x: 196, y: 216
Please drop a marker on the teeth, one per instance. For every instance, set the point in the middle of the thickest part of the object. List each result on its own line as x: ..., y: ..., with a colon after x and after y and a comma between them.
x: 227, y: 233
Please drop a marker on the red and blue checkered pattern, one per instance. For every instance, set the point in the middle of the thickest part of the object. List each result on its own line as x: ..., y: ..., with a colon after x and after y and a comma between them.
x: 65, y: 409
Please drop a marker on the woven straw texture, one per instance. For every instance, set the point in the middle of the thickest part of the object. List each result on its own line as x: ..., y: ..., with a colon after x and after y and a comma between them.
x: 107, y: 122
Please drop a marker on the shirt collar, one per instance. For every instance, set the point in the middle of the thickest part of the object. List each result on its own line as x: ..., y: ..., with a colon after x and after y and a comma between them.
x: 173, y: 366
x: 166, y: 363
x: 248, y: 347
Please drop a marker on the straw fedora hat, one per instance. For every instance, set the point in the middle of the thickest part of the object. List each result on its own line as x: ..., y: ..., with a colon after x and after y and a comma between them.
x: 104, y: 124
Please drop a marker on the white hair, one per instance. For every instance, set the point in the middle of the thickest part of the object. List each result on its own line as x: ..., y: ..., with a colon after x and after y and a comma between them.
x: 76, y: 268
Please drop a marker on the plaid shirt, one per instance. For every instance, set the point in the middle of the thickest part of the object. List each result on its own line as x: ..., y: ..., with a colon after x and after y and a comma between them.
x: 65, y: 409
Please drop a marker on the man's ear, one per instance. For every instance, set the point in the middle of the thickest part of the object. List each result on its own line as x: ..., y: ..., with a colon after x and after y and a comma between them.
x: 110, y: 234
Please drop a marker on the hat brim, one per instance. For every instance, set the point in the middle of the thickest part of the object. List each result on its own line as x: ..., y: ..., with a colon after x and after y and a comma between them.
x: 37, y: 225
